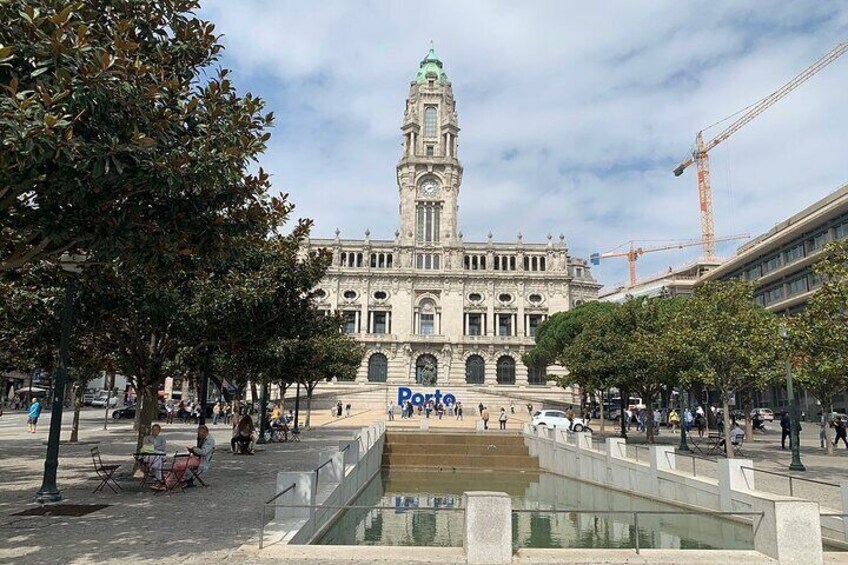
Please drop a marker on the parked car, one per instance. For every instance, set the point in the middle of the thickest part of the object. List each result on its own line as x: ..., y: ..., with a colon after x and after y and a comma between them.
x: 128, y: 413
x: 765, y: 414
x: 88, y: 396
x: 557, y: 419
x: 101, y: 399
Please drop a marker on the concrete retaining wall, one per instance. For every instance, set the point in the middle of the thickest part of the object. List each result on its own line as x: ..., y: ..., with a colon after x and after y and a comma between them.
x: 575, y: 455
x: 339, y: 476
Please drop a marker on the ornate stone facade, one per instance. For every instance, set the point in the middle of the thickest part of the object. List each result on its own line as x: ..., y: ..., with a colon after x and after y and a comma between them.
x: 430, y: 307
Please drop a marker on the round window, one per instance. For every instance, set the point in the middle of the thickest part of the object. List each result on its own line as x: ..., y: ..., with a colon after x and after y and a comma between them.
x: 381, y: 295
x: 475, y: 297
x: 535, y: 298
x: 320, y: 293
x: 349, y: 294
x: 505, y: 297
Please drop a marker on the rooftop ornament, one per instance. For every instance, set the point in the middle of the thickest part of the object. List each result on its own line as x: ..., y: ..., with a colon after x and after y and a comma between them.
x: 431, y: 67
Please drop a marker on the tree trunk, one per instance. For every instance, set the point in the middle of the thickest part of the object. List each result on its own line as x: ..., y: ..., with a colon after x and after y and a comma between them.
x: 80, y: 390
x: 148, y: 407
x: 649, y: 423
x: 728, y: 447
x: 254, y: 394
x: 747, y: 405
x: 309, y: 390
x: 601, y: 412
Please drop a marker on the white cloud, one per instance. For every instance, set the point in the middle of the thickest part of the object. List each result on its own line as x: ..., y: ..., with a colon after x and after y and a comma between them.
x: 594, y: 104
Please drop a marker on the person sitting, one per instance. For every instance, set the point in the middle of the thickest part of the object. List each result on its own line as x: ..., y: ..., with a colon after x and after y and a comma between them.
x: 758, y: 422
x: 200, y: 454
x: 242, y: 441
x: 154, y: 443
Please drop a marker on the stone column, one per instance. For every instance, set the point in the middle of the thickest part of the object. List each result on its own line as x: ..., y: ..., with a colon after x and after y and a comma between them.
x: 731, y: 477
x: 789, y: 531
x: 488, y: 528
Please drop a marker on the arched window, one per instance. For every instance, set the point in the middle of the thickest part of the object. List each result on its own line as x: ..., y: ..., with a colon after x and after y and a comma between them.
x: 426, y: 370
x: 475, y: 370
x: 537, y: 375
x: 430, y: 121
x: 506, y: 370
x: 378, y: 368
x: 428, y: 222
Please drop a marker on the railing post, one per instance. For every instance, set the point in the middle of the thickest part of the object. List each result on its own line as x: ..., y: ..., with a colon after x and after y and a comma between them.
x: 789, y: 531
x: 487, y: 536
x: 636, y: 524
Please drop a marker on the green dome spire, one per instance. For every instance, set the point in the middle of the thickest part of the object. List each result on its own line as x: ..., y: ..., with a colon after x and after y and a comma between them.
x: 431, y: 64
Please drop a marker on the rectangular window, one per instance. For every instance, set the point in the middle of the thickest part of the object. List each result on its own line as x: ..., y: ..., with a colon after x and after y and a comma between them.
x: 427, y: 324
x: 816, y: 242
x: 814, y: 281
x: 794, y: 253
x: 475, y: 324
x: 797, y: 286
x: 774, y: 295
x: 430, y: 117
x: 754, y: 272
x: 429, y: 151
x: 841, y: 231
x: 533, y: 323
x: 380, y: 322
x: 771, y: 264
x: 420, y: 224
x: 504, y: 325
x: 350, y: 322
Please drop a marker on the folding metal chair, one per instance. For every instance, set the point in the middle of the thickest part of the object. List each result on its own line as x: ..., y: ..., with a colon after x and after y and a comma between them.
x: 196, y: 472
x: 104, y: 472
x: 174, y: 477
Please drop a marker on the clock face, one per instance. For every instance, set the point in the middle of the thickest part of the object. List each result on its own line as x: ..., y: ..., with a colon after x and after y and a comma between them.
x: 429, y: 187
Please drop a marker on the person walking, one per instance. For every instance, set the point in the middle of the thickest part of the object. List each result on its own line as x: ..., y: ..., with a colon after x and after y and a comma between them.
x: 347, y: 410
x: 512, y: 407
x: 785, y: 430
x: 841, y: 432
x: 569, y: 415
x: 502, y: 419
x: 459, y: 411
x: 33, y: 415
x: 673, y: 420
x: 480, y: 408
x: 169, y: 412
x: 216, y: 413
x: 484, y: 414
x: 339, y: 409
x: 390, y: 411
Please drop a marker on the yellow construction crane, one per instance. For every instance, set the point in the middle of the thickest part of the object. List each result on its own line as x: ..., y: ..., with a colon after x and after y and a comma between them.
x: 634, y: 252
x: 702, y: 148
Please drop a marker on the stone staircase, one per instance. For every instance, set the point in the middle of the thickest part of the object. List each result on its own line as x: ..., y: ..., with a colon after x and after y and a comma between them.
x: 458, y: 451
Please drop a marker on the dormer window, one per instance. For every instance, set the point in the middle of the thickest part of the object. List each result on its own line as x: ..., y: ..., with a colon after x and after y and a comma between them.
x: 430, y: 121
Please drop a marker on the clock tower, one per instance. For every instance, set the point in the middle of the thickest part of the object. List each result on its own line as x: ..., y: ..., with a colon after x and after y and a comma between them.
x: 429, y: 173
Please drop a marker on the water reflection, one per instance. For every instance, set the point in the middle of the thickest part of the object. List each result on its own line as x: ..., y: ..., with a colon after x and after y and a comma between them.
x: 406, y: 491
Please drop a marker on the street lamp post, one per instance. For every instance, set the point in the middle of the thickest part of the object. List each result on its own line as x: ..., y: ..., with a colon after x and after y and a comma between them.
x: 49, y: 491
x: 794, y: 424
x: 683, y: 445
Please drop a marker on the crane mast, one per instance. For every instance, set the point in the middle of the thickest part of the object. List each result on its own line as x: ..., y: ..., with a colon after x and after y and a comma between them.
x: 700, y: 156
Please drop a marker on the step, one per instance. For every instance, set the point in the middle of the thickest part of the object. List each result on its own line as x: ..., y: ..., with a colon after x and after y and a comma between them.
x: 454, y: 449
x: 462, y: 461
x: 448, y: 481
x: 479, y: 438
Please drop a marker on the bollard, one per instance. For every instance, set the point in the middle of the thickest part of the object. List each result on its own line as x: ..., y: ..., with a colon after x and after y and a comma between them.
x: 487, y: 536
x: 424, y: 425
x: 479, y: 426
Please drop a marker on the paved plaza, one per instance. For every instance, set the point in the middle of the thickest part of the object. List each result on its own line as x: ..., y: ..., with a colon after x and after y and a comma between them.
x: 200, y: 524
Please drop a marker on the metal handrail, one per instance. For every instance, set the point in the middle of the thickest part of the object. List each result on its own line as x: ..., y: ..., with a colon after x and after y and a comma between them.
x: 791, y: 478
x: 636, y: 513
x: 693, y: 457
x: 265, y: 507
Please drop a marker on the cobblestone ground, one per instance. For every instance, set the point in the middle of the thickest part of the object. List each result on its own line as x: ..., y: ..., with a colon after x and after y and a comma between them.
x: 202, y: 525
x: 139, y: 525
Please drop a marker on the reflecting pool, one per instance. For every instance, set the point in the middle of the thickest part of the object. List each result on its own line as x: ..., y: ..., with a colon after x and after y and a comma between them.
x: 403, y: 525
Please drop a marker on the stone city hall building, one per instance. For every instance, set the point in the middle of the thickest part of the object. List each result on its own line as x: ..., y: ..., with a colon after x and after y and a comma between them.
x: 431, y: 308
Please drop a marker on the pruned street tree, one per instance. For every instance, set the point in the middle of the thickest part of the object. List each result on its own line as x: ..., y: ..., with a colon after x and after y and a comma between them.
x: 819, y: 334
x: 737, y: 341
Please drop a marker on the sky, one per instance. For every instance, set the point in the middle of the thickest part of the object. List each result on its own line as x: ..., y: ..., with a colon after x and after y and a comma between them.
x: 572, y: 114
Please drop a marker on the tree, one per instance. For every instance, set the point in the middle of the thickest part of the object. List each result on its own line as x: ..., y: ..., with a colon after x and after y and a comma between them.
x: 819, y: 334
x: 737, y: 341
x: 119, y: 137
x: 556, y: 335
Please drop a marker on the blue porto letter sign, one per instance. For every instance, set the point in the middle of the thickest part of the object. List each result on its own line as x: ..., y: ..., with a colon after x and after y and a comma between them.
x: 417, y: 398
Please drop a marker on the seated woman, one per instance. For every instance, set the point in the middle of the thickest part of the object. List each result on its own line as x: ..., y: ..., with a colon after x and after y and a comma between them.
x: 154, y: 443
x: 242, y: 441
x: 198, y: 458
